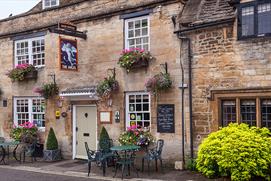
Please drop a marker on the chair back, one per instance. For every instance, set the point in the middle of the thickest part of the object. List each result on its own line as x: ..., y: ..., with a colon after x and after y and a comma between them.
x: 91, y: 154
x: 159, y: 146
x: 105, y: 145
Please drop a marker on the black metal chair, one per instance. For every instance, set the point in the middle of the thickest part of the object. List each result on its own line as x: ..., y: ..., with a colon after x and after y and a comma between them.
x: 29, y: 150
x: 100, y: 157
x: 154, y: 154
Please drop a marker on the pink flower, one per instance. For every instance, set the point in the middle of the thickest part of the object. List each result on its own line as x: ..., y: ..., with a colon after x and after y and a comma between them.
x: 38, y: 90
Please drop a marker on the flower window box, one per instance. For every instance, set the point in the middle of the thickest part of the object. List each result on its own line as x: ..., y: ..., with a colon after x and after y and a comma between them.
x: 134, y: 59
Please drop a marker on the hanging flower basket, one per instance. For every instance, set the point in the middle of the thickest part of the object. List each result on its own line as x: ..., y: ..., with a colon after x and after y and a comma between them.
x: 23, y: 72
x: 47, y: 90
x: 106, y: 87
x: 134, y: 59
x: 159, y: 82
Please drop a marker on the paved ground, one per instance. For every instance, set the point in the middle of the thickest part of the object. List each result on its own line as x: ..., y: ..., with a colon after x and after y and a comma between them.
x: 73, y: 170
x: 20, y: 175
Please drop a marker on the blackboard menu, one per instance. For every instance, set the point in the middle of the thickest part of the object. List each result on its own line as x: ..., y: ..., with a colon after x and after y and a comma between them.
x: 165, y: 118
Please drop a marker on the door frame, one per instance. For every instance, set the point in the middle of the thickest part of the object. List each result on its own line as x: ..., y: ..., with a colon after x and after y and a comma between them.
x: 74, y: 123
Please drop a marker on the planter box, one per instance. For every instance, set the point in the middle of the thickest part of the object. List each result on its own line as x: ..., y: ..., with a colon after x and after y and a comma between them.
x: 139, y: 64
x: 52, y: 155
x: 31, y: 75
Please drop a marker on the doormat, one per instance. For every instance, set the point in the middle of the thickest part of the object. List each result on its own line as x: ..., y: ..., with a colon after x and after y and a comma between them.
x: 73, y: 164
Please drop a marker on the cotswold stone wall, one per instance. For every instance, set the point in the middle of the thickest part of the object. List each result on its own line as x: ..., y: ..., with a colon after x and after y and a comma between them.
x: 99, y: 52
x: 220, y: 61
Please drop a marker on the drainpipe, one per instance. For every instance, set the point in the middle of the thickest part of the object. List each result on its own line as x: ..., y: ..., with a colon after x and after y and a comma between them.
x: 182, y: 86
x: 190, y: 93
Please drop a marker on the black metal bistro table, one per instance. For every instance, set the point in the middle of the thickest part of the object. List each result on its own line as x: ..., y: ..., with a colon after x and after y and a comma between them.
x: 4, y: 146
x: 126, y: 160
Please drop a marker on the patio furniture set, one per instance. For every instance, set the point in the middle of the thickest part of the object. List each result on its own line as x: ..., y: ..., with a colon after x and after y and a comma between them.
x: 123, y: 157
x: 26, y: 150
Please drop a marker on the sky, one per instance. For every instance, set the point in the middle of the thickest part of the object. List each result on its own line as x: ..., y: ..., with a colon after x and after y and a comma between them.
x: 15, y: 7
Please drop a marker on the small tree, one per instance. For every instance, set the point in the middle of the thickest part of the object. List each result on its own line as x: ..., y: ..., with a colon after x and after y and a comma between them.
x: 52, y: 143
x: 104, y: 138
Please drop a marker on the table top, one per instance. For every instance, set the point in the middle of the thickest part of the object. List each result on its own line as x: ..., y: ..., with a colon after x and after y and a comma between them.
x: 125, y: 148
x: 9, y: 143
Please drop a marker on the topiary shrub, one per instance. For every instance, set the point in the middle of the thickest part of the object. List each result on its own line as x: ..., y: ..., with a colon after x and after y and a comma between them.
x: 52, y: 143
x: 238, y: 151
x: 104, y: 138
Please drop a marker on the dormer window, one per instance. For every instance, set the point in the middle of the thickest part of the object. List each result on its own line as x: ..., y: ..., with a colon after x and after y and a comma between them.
x: 254, y: 19
x: 49, y: 3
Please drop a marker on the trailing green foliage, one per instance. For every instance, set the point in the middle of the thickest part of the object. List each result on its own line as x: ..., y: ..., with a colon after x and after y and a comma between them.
x: 26, y: 133
x: 191, y: 164
x: 106, y: 87
x: 20, y: 71
x: 52, y: 143
x: 104, y: 138
x: 47, y: 90
x: 238, y: 151
x: 159, y: 82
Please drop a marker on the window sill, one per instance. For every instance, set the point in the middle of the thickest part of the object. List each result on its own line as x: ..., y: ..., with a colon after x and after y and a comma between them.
x: 240, y: 38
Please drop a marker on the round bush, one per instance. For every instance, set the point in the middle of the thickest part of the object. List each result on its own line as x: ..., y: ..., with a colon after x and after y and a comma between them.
x: 238, y: 151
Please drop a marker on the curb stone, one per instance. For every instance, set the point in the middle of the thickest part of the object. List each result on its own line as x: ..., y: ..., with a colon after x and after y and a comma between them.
x: 73, y: 174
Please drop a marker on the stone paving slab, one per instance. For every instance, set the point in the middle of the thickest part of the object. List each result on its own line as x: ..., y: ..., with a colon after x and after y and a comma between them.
x: 78, y: 168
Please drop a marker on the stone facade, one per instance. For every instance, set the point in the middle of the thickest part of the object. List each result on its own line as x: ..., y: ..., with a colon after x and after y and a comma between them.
x: 101, y: 20
x: 225, y: 65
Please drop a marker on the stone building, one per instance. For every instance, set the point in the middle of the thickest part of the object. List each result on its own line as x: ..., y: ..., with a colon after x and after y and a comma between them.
x: 103, y: 29
x: 230, y: 63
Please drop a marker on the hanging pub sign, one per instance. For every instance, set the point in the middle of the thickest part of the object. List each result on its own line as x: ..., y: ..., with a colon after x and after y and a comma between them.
x: 67, y: 26
x: 68, y: 54
x: 165, y: 118
x: 69, y: 29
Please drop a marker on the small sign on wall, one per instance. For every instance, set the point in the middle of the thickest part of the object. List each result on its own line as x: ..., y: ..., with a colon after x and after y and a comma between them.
x: 106, y: 117
x: 68, y: 54
x: 165, y: 118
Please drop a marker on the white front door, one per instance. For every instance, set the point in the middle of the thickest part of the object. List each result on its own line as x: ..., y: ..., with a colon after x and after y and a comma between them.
x: 85, y: 130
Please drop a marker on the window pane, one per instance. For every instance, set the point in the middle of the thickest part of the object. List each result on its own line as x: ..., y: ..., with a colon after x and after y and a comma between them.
x: 137, y: 35
x: 228, y: 112
x: 264, y: 18
x: 248, y: 21
x: 248, y: 112
x: 138, y: 109
x: 38, y: 52
x: 266, y: 113
x: 35, y: 114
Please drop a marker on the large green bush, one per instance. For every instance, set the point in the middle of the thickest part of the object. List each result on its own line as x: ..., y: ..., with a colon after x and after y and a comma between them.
x: 238, y: 151
x: 52, y: 143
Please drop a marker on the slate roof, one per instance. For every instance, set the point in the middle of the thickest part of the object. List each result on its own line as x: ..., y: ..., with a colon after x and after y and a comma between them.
x: 38, y: 8
x: 198, y: 12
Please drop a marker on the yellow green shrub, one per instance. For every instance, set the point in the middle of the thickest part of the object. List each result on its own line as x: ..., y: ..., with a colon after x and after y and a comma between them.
x: 238, y: 151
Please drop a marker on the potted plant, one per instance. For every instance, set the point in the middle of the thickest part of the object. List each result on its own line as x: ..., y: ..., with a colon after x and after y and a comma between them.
x: 25, y: 133
x: 136, y: 136
x: 22, y: 72
x: 134, y: 58
x: 47, y: 90
x: 159, y: 82
x: 106, y: 87
x: 52, y: 153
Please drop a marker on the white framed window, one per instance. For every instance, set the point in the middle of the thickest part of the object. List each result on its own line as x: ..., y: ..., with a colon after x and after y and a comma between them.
x: 137, y: 33
x: 49, y: 3
x: 138, y: 109
x: 29, y: 110
x: 30, y: 51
